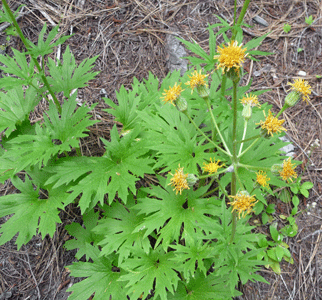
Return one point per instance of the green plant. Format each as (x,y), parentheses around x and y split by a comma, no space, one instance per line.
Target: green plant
(185,236)
(309,20)
(287,28)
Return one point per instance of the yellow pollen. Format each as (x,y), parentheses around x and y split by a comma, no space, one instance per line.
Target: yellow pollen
(288,170)
(172,94)
(243,203)
(179,181)
(262,179)
(301,86)
(231,56)
(250,99)
(272,124)
(212,167)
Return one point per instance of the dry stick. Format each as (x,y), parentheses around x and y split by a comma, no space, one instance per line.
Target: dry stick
(50,20)
(286,287)
(33,276)
(318,240)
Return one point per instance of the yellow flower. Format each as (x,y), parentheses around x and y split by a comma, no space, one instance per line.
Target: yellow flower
(251,100)
(231,56)
(288,170)
(179,181)
(196,80)
(271,124)
(243,203)
(172,94)
(212,167)
(302,87)
(262,179)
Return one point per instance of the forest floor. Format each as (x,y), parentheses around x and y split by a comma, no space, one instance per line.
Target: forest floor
(130,38)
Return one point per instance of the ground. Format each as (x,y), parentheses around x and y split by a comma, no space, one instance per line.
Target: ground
(130,38)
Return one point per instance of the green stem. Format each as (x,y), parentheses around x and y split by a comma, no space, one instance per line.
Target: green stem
(216,126)
(16,25)
(234,158)
(240,18)
(250,146)
(242,141)
(286,106)
(207,138)
(248,139)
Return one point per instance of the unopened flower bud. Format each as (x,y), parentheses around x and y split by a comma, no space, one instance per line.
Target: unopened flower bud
(181,104)
(203,91)
(276,169)
(192,179)
(247,112)
(292,98)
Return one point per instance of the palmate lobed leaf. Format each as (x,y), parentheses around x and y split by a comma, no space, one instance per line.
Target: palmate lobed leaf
(102,279)
(147,271)
(67,75)
(116,171)
(30,214)
(56,135)
(16,106)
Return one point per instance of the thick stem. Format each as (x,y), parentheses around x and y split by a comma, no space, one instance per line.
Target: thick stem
(24,40)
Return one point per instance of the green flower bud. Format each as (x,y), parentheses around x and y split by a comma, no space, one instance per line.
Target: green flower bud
(247,112)
(292,98)
(276,169)
(203,91)
(192,179)
(181,104)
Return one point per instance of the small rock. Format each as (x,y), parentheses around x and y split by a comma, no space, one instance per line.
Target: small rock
(260,20)
(301,73)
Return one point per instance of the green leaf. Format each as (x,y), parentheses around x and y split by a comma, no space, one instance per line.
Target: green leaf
(201,287)
(102,279)
(153,270)
(264,218)
(83,236)
(275,234)
(307,185)
(31,214)
(67,76)
(305,192)
(116,171)
(16,106)
(295,200)
(116,229)
(40,147)
(46,47)
(18,66)
(270,208)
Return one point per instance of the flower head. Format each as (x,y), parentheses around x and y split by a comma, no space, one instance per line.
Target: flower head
(231,56)
(179,181)
(302,87)
(197,80)
(251,100)
(271,124)
(243,203)
(212,167)
(288,170)
(172,94)
(262,179)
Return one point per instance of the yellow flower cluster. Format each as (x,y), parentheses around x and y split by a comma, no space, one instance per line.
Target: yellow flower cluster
(179,181)
(172,94)
(251,100)
(212,167)
(231,56)
(272,124)
(302,87)
(243,203)
(262,179)
(288,171)
(196,80)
